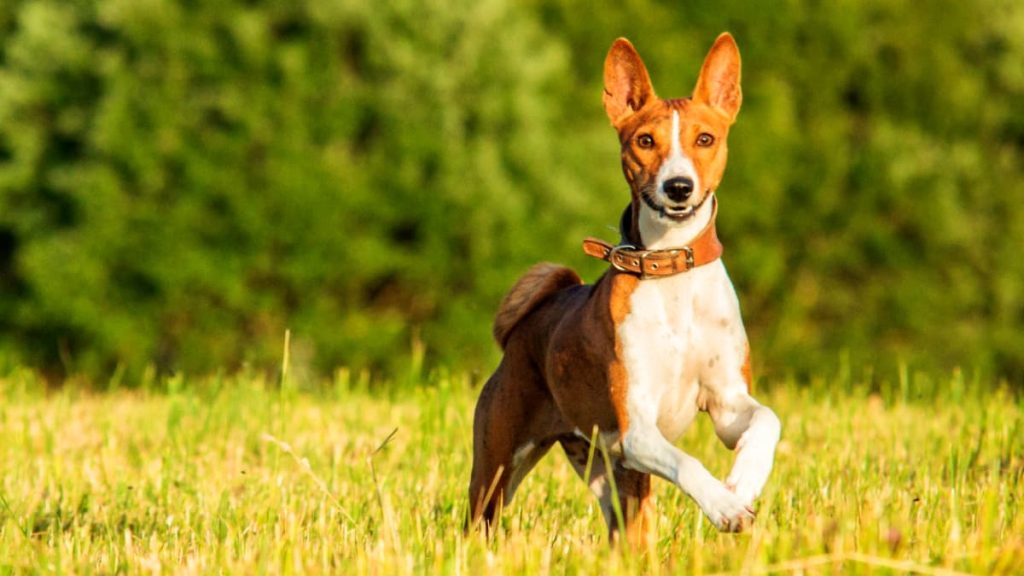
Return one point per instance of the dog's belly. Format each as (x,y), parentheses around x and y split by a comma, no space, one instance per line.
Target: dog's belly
(683,342)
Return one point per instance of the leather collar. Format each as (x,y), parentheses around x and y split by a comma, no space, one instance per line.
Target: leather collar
(625,257)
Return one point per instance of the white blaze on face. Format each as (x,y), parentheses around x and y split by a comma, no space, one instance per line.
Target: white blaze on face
(659,232)
(676,165)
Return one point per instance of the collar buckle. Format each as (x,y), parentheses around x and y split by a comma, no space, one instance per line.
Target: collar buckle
(688,251)
(613,256)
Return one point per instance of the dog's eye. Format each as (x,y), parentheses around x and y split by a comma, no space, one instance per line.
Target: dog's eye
(645,141)
(705,140)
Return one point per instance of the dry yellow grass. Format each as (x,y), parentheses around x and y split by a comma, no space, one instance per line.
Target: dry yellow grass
(235,476)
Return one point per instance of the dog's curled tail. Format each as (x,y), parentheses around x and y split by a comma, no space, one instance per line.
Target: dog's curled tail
(530,291)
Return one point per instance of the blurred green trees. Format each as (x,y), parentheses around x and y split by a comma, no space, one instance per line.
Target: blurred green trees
(182,181)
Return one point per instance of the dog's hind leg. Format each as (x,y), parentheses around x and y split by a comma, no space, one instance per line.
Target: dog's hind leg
(514,426)
(633,489)
(494,445)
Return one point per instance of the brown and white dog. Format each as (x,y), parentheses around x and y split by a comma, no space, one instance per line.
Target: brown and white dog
(657,339)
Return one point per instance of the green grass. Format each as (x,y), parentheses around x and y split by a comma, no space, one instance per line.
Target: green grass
(232,475)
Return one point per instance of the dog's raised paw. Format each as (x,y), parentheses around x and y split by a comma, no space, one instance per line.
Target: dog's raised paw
(727,511)
(743,490)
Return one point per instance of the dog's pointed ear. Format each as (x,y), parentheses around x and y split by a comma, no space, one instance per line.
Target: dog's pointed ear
(719,82)
(627,87)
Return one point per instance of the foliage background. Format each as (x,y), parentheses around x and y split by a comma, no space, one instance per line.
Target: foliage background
(181,181)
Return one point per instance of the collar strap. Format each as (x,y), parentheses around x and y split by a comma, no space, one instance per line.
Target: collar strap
(704,249)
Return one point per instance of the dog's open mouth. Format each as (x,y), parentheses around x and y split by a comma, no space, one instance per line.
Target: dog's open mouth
(676,214)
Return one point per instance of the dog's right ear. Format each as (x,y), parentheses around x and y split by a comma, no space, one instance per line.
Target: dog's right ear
(627,87)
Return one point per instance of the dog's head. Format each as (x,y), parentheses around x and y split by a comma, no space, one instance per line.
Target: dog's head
(673,151)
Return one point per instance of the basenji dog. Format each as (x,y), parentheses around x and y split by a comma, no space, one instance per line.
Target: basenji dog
(630,360)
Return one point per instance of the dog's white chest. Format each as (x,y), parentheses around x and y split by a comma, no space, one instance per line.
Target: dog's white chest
(682,339)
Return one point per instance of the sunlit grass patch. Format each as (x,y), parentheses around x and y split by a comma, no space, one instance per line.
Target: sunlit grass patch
(234,475)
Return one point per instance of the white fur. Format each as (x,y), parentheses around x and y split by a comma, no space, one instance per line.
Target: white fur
(657,233)
(684,347)
(521,454)
(523,460)
(676,165)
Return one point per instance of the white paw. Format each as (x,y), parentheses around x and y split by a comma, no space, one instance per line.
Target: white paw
(726,510)
(743,490)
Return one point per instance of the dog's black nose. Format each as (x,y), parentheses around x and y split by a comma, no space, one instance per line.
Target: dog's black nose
(678,189)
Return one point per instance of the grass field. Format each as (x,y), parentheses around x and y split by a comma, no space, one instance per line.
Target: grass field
(234,475)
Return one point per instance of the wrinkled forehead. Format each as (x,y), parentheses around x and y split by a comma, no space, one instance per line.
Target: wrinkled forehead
(657,117)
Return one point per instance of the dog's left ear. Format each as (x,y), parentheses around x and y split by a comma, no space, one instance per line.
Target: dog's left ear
(719,82)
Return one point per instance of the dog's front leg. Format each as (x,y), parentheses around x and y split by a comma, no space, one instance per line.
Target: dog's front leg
(753,430)
(645,449)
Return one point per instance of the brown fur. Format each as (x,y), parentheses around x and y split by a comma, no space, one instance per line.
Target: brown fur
(539,282)
(559,374)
